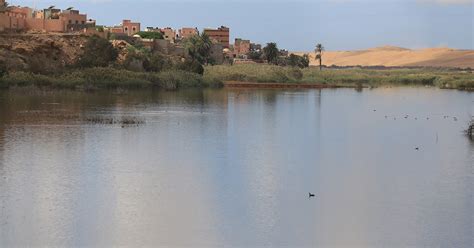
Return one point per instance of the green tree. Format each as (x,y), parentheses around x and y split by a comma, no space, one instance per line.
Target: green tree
(270,53)
(198,47)
(98,52)
(298,61)
(151,35)
(319,54)
(255,55)
(304,61)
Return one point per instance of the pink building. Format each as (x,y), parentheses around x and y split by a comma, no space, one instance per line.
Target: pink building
(48,20)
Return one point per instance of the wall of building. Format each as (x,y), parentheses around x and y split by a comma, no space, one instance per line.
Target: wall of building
(9,23)
(220,35)
(130,28)
(70,18)
(53,25)
(169,34)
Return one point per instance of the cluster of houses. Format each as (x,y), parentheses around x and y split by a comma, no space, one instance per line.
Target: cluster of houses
(53,20)
(16,18)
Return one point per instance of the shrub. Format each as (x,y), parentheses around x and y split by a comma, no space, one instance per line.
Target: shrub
(98,52)
(158,62)
(136,60)
(191,66)
(296,73)
(176,79)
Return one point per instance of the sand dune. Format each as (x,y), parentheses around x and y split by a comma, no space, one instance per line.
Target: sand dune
(397,56)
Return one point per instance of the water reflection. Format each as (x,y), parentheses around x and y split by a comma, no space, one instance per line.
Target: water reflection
(234,167)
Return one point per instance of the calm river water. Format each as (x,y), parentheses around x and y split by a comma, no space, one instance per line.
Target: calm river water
(216,168)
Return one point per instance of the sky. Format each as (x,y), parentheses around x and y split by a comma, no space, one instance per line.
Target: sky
(299,25)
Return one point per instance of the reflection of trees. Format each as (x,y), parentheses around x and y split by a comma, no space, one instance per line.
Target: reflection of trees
(63,107)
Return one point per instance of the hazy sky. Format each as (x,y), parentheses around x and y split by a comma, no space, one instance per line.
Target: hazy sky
(298,25)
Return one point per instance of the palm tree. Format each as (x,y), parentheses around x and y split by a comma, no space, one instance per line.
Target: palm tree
(270,52)
(319,54)
(199,48)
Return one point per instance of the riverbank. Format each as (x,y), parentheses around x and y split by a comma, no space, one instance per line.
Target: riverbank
(262,73)
(249,76)
(108,78)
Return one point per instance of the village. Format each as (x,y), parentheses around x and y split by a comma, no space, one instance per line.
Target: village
(51,20)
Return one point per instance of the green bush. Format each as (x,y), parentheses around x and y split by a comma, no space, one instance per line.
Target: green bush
(191,66)
(98,52)
(158,62)
(179,79)
(109,78)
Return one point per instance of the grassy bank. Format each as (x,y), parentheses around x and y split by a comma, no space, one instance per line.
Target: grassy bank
(108,78)
(342,77)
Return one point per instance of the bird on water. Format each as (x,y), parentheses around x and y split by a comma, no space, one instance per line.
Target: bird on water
(311,195)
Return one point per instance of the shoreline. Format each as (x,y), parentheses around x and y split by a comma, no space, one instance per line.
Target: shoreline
(270,85)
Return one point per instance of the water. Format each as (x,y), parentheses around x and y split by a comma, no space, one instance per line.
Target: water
(234,168)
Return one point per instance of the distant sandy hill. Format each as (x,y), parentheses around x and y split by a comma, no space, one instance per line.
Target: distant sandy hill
(397,56)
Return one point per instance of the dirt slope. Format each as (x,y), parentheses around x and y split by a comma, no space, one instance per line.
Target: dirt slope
(396,56)
(40,52)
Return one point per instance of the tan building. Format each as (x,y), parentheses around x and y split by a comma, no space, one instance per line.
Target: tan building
(220,35)
(185,33)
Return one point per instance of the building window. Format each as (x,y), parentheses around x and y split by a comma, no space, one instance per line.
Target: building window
(77,22)
(70,22)
(83,22)
(126,29)
(134,29)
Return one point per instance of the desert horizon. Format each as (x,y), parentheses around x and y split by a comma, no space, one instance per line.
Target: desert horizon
(394,56)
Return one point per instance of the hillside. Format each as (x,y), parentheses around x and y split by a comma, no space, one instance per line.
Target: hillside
(40,52)
(400,57)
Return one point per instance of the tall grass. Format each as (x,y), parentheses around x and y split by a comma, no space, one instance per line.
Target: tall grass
(108,78)
(343,77)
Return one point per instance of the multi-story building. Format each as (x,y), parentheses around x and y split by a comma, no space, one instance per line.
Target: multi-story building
(220,35)
(127,27)
(130,28)
(74,20)
(185,33)
(241,47)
